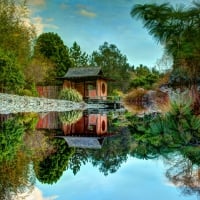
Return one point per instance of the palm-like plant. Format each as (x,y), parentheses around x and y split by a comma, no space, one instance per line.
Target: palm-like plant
(178,29)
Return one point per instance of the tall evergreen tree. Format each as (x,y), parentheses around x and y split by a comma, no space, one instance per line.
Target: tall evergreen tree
(78,58)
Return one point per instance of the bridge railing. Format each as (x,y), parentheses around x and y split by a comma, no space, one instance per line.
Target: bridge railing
(105,98)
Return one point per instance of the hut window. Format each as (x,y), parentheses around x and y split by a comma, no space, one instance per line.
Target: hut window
(103,125)
(103,88)
(91,86)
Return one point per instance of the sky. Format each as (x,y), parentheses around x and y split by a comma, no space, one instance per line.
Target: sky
(92,22)
(136,179)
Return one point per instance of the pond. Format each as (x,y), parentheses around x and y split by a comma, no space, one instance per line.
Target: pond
(95,154)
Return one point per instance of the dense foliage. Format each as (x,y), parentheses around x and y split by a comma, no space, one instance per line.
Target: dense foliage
(11,76)
(51,46)
(112,60)
(11,135)
(77,57)
(177,129)
(52,167)
(176,28)
(16,35)
(70,117)
(16,40)
(144,77)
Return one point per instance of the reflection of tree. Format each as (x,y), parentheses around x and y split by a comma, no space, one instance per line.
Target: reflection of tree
(192,153)
(161,134)
(70,117)
(175,137)
(184,175)
(113,153)
(79,157)
(11,135)
(16,176)
(52,167)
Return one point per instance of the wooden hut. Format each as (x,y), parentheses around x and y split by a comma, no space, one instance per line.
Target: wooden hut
(88,81)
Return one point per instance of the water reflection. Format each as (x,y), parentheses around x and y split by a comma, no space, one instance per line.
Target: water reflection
(45,146)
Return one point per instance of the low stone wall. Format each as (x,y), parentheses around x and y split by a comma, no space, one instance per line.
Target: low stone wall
(14,104)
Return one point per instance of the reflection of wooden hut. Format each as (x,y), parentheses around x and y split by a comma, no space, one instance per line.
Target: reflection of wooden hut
(89,81)
(84,142)
(88,125)
(49,121)
(4,117)
(88,132)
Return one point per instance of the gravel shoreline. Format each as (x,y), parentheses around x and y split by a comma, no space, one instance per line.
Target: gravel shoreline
(15,104)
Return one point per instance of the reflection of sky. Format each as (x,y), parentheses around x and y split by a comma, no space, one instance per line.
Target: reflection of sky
(136,179)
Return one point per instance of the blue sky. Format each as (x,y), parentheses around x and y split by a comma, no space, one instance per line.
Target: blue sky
(136,179)
(92,22)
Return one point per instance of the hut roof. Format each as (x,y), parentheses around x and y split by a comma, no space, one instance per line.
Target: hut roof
(83,142)
(82,72)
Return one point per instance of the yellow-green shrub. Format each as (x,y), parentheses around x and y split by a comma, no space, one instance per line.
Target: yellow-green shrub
(70,95)
(70,117)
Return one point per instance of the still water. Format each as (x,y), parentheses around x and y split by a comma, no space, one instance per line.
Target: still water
(91,155)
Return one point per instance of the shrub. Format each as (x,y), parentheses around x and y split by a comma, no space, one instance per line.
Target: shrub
(70,116)
(133,101)
(70,95)
(134,96)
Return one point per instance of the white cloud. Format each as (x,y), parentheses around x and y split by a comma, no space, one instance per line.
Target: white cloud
(36,194)
(41,24)
(38,22)
(64,6)
(37,2)
(49,20)
(87,13)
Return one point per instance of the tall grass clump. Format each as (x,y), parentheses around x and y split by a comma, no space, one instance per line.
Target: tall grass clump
(135,96)
(70,95)
(133,101)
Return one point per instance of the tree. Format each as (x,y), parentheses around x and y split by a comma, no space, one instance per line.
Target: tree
(114,66)
(144,77)
(11,76)
(177,29)
(77,57)
(40,71)
(16,32)
(51,46)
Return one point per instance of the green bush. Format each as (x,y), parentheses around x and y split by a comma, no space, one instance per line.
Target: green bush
(11,77)
(70,95)
(70,116)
